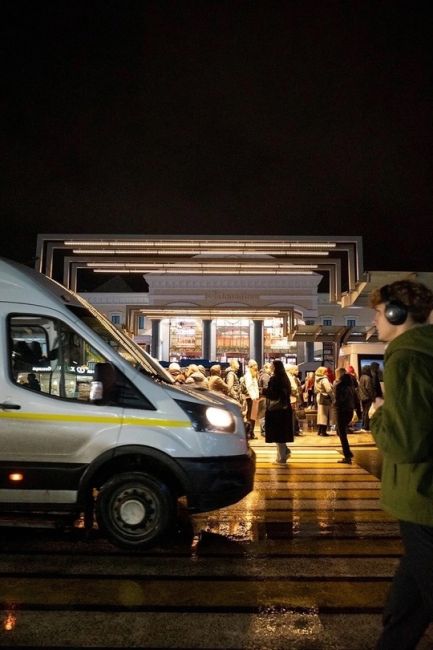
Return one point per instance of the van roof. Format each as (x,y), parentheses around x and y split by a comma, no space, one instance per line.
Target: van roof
(21,284)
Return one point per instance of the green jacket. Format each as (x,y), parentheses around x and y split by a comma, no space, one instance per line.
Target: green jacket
(403,427)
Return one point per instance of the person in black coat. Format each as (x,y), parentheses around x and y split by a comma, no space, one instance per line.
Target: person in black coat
(344,406)
(278,414)
(366,395)
(375,375)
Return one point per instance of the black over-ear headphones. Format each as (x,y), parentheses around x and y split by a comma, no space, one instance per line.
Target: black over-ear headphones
(395,311)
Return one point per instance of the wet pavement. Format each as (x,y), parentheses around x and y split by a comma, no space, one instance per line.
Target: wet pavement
(303,562)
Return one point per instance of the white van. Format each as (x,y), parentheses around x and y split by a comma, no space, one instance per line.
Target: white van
(90,424)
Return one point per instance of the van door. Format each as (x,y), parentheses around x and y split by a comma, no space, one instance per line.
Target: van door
(46,414)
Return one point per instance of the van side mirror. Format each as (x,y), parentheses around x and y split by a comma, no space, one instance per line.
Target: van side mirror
(96,391)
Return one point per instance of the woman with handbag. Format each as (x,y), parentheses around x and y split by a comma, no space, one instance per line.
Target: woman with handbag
(278,414)
(325,396)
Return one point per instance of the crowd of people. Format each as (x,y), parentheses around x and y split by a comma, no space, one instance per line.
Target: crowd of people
(277,399)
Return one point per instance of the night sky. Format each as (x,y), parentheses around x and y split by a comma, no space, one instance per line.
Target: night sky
(210,117)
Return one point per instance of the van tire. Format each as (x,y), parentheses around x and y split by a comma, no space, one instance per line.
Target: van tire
(134,510)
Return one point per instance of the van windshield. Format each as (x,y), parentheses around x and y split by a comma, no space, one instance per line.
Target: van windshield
(117,339)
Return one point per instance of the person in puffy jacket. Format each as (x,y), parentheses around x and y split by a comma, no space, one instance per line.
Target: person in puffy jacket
(232,380)
(402,427)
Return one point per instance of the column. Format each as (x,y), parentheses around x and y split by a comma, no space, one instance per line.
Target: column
(206,338)
(154,348)
(131,320)
(300,352)
(257,352)
(310,350)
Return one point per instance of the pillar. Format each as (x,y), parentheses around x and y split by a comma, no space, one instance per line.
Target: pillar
(206,338)
(154,348)
(258,342)
(310,350)
(131,320)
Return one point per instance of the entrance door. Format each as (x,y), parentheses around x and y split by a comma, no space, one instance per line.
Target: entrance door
(233,338)
(46,411)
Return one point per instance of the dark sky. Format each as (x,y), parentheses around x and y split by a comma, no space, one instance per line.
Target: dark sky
(211,117)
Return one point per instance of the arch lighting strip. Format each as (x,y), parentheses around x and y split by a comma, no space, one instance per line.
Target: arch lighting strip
(104,251)
(202,244)
(202,265)
(202,272)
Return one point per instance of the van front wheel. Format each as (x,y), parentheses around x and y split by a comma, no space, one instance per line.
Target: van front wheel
(134,509)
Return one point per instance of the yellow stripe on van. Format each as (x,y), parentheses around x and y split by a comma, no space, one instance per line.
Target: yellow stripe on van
(152,422)
(88,419)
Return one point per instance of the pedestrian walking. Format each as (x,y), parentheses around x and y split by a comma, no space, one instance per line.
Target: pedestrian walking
(278,414)
(344,406)
(402,427)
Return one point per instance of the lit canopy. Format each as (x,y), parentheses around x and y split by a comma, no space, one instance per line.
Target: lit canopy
(340,258)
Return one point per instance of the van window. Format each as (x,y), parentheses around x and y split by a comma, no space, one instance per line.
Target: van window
(47,356)
(119,341)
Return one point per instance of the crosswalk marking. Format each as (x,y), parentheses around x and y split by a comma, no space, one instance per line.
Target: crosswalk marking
(303,561)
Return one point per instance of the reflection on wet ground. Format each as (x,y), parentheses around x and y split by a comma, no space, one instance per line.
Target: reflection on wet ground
(303,562)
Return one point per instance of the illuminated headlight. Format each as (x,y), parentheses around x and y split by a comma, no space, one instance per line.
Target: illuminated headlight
(219,418)
(208,418)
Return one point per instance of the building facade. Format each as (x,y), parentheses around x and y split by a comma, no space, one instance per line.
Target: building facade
(295,298)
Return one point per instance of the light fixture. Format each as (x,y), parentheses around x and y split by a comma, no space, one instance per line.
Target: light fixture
(16,477)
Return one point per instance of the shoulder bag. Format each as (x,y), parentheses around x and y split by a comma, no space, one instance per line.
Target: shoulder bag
(325,399)
(275,405)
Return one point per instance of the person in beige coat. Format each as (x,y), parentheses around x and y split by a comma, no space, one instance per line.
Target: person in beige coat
(325,396)
(251,382)
(296,399)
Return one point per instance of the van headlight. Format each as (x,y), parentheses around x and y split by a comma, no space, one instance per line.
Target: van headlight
(208,418)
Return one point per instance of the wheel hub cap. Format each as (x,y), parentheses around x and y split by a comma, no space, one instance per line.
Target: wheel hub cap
(132,512)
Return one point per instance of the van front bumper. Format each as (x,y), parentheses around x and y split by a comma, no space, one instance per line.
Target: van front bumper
(219,481)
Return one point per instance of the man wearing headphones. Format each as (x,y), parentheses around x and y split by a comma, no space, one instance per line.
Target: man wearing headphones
(403,429)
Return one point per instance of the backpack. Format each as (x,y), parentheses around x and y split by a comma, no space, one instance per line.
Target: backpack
(243,386)
(235,388)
